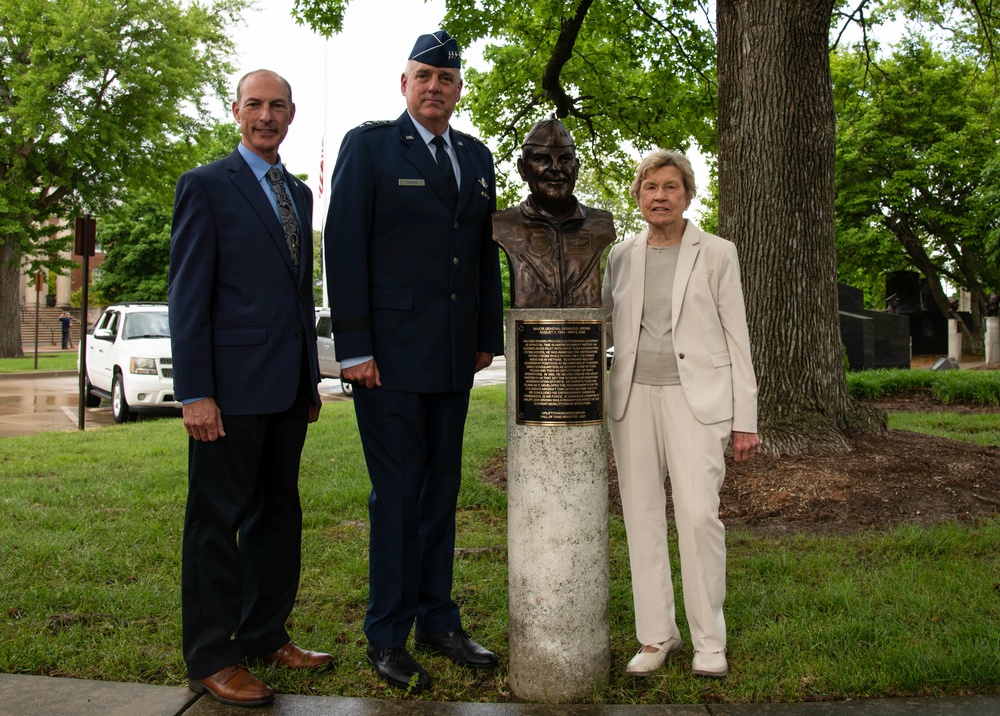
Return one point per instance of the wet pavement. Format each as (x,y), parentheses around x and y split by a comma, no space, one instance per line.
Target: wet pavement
(47,401)
(44,402)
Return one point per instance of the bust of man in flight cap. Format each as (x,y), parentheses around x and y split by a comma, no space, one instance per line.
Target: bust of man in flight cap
(552,241)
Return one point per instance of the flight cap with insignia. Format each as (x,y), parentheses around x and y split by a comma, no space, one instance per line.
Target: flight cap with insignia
(437,49)
(548,133)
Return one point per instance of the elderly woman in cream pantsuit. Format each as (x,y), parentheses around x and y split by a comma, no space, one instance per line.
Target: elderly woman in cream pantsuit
(681,387)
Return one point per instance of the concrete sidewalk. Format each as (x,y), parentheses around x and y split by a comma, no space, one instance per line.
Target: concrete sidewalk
(46,696)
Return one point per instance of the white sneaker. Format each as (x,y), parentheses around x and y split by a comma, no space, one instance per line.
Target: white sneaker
(645,663)
(711,664)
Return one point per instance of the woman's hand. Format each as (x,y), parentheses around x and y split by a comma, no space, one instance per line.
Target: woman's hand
(744,446)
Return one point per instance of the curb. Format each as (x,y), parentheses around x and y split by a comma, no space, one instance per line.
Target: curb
(39,374)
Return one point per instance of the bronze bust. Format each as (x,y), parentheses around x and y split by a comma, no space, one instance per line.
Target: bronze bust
(552,241)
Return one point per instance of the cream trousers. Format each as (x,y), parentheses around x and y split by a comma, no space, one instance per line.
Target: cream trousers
(659,436)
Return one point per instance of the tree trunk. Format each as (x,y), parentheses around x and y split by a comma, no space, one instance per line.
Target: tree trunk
(776,203)
(10,302)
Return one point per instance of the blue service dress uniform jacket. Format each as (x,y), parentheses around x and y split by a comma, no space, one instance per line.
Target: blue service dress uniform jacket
(413,281)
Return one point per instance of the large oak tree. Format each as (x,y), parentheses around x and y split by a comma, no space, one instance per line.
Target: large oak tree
(776,202)
(135,232)
(94,96)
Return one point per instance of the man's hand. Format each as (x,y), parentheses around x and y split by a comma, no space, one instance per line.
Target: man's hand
(314,412)
(365,374)
(203,420)
(744,445)
(483,360)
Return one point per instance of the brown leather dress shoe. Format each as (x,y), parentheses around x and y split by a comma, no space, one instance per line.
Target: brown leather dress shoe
(292,657)
(234,686)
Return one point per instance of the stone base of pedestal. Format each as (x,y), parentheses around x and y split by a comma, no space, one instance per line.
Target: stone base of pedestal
(954,340)
(993,339)
(557,507)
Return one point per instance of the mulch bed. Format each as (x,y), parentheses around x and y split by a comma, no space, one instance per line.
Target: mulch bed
(902,478)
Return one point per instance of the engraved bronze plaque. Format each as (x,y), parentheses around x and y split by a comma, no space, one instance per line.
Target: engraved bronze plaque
(560,372)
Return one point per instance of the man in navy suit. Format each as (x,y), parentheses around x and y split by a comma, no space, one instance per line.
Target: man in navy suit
(415,297)
(243,334)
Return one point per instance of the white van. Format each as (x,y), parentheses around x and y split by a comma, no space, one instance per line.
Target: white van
(328,365)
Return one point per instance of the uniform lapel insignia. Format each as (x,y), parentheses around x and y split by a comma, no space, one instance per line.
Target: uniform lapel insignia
(482,180)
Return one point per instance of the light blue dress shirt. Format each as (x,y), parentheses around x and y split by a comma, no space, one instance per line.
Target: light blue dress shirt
(259,167)
(427,136)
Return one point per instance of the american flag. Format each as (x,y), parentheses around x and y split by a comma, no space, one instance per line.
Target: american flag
(322,156)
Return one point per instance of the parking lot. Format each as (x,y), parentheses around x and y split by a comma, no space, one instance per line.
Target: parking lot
(45,402)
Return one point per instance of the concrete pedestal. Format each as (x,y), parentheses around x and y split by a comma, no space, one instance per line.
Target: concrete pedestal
(557,525)
(993,339)
(954,340)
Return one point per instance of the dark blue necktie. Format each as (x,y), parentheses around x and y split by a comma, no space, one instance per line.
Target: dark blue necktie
(444,161)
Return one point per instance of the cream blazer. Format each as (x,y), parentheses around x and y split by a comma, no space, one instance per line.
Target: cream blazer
(711,339)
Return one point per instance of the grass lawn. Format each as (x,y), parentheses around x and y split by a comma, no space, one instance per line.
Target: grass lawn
(90,527)
(975,428)
(46,361)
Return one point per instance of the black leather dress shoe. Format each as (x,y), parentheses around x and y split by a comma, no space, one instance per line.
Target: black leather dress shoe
(398,668)
(459,647)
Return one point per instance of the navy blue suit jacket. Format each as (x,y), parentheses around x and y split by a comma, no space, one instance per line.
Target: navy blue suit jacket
(240,315)
(412,280)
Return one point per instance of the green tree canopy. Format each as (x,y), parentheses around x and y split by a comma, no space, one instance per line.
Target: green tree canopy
(94,95)
(135,233)
(916,154)
(135,236)
(622,76)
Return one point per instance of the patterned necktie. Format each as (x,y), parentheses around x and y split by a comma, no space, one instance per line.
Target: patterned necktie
(444,161)
(288,221)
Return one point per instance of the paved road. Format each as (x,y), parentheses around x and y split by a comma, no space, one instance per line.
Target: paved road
(46,402)
(43,404)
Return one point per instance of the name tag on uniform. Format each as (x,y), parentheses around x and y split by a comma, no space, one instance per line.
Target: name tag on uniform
(412,182)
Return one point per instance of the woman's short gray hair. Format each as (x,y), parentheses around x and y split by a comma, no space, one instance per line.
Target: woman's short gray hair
(664,158)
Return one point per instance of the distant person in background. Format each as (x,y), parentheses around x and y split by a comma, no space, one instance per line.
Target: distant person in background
(681,387)
(66,320)
(242,328)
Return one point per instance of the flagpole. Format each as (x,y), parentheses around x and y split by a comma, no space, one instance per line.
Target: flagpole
(324,200)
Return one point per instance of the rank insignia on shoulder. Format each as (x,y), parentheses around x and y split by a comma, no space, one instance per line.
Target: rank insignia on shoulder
(377,123)
(463,135)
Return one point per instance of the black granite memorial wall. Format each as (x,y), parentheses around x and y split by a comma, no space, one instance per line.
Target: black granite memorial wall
(928,326)
(873,339)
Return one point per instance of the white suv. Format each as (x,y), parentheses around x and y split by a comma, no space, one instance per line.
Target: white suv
(129,361)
